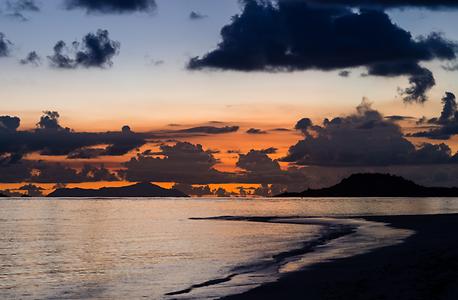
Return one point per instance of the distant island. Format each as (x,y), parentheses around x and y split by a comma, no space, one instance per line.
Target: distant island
(376,185)
(144,189)
(3,195)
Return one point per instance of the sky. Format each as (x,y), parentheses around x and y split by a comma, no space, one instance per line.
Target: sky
(200,83)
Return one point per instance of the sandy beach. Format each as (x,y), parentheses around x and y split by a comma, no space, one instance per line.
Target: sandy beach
(425,266)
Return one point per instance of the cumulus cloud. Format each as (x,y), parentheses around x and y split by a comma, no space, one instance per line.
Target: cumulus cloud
(364,138)
(446,125)
(31,59)
(293,36)
(95,50)
(112,6)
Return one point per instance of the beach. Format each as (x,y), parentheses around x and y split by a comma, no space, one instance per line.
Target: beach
(424,266)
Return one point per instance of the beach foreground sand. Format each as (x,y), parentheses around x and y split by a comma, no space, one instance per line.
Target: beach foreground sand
(425,266)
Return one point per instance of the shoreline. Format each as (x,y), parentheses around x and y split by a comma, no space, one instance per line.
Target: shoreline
(424,266)
(339,238)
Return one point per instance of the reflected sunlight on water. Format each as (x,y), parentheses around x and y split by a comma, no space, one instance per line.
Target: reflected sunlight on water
(114,249)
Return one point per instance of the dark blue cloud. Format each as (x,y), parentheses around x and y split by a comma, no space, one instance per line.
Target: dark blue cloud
(112,6)
(5,45)
(95,50)
(31,59)
(433,4)
(293,36)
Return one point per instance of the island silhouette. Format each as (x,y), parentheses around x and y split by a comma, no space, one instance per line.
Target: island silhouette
(142,189)
(376,185)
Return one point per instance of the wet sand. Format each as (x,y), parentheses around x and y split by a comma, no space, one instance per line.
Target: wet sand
(425,266)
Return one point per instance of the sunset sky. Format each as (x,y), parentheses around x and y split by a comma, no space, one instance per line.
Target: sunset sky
(196,98)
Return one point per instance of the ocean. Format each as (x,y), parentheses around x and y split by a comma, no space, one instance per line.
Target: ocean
(182,248)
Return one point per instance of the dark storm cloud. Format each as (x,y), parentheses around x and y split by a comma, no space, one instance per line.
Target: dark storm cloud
(293,36)
(196,16)
(47,172)
(183,162)
(112,6)
(31,59)
(365,138)
(446,125)
(5,45)
(95,50)
(211,129)
(50,138)
(255,131)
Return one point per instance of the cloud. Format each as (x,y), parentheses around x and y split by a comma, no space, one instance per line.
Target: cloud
(5,46)
(255,131)
(22,5)
(365,138)
(32,190)
(96,50)
(270,150)
(183,162)
(86,153)
(112,6)
(51,138)
(446,125)
(8,123)
(295,36)
(201,190)
(434,4)
(57,172)
(258,167)
(15,9)
(398,118)
(344,73)
(196,16)
(31,59)
(211,129)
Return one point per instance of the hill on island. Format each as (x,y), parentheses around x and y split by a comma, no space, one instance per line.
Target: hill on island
(144,189)
(376,185)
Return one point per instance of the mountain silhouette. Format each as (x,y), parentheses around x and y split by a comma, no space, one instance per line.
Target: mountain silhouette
(376,185)
(143,189)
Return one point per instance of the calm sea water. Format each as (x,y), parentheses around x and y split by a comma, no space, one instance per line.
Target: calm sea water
(151,248)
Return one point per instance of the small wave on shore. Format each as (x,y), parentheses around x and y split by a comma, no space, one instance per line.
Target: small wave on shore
(339,238)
